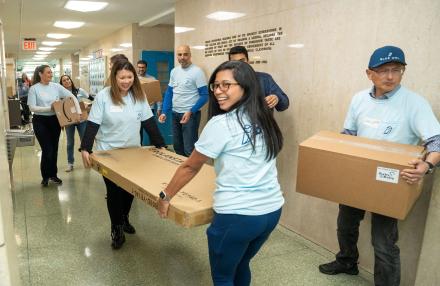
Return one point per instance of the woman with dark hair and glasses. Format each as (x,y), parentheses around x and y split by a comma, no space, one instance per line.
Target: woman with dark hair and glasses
(80,94)
(244,140)
(116,116)
(42,94)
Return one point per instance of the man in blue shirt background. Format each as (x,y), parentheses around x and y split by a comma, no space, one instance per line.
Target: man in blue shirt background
(388,112)
(275,96)
(186,94)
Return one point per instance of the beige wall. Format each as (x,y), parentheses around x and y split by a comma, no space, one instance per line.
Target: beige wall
(158,38)
(320,79)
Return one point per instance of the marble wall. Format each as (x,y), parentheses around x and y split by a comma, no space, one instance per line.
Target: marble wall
(319,59)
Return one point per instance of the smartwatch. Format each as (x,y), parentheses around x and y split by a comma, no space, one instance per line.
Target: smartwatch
(431,168)
(163,196)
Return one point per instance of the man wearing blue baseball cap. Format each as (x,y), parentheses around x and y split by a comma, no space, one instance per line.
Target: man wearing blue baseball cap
(389,112)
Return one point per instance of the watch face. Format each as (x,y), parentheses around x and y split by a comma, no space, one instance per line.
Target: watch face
(162,195)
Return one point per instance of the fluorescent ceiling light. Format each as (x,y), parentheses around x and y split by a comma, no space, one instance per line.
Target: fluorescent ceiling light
(296,46)
(84,59)
(42,53)
(39,58)
(198,47)
(224,15)
(178,30)
(85,6)
(126,45)
(51,43)
(116,49)
(47,49)
(58,36)
(68,24)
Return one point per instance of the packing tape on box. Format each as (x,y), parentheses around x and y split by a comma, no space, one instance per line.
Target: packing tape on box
(396,150)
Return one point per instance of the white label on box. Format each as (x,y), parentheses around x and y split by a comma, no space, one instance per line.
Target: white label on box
(387,175)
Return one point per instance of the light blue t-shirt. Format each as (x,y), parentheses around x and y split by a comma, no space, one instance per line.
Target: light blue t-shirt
(405,117)
(119,124)
(246,183)
(43,95)
(185,82)
(82,94)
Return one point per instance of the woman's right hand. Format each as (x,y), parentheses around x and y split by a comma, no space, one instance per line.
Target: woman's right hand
(86,159)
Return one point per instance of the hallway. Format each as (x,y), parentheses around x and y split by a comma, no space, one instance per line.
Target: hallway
(63,236)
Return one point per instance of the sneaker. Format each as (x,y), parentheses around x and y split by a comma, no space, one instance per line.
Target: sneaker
(45,182)
(118,236)
(128,228)
(56,180)
(69,167)
(335,267)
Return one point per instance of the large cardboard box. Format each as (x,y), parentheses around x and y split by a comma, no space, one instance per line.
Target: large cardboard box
(151,87)
(65,111)
(144,172)
(358,172)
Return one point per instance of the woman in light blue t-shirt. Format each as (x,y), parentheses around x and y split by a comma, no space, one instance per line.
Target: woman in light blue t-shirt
(80,94)
(244,139)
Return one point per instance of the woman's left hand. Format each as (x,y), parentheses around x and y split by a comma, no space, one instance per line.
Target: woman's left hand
(162,208)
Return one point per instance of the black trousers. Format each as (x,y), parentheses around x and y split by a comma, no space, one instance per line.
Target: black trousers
(118,202)
(384,236)
(47,130)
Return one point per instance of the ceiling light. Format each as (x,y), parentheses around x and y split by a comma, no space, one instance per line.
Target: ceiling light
(51,43)
(85,6)
(42,53)
(178,30)
(198,47)
(47,49)
(58,36)
(68,24)
(224,15)
(84,59)
(126,45)
(116,49)
(296,46)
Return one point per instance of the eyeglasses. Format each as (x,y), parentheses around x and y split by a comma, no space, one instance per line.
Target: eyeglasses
(385,72)
(224,85)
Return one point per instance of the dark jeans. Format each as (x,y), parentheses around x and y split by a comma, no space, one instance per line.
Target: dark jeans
(185,135)
(47,130)
(118,202)
(384,236)
(70,134)
(25,108)
(233,240)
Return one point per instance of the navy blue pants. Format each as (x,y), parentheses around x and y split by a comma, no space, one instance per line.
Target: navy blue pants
(233,240)
(185,135)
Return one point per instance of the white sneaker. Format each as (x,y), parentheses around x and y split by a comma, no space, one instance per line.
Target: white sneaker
(69,168)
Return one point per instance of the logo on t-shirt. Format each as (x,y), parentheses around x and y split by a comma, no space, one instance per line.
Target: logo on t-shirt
(247,135)
(388,130)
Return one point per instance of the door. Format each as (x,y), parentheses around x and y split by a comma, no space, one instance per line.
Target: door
(160,64)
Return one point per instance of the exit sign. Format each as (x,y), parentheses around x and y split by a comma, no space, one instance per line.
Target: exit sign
(29,44)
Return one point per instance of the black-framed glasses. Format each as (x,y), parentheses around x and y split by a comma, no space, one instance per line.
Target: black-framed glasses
(393,71)
(224,85)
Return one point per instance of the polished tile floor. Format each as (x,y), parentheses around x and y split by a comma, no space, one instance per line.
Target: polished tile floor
(63,237)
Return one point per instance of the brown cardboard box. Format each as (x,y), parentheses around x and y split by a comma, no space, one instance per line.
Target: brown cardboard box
(66,112)
(144,172)
(358,172)
(85,109)
(151,87)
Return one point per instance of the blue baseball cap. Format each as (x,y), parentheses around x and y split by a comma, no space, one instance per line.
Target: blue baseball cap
(387,54)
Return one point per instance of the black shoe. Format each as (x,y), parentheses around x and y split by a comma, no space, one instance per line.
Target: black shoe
(118,236)
(335,267)
(45,182)
(56,180)
(128,228)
